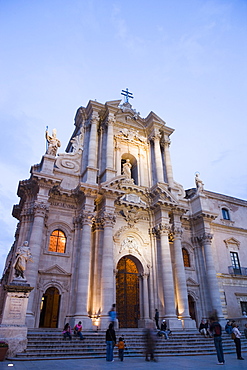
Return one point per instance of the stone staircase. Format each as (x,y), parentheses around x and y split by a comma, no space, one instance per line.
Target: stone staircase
(49,344)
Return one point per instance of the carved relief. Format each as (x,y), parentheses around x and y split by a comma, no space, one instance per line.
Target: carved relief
(129,244)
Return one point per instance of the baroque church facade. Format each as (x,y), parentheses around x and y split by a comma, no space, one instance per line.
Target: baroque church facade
(107,223)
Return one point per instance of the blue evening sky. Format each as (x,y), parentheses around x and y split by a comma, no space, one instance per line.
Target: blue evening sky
(186,60)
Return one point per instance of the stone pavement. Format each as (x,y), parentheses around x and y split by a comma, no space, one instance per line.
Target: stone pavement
(206,362)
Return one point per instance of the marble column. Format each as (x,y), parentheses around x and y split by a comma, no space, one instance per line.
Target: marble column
(180,279)
(200,266)
(145,295)
(109,147)
(158,158)
(35,244)
(213,286)
(168,162)
(107,277)
(167,275)
(93,142)
(82,294)
(91,175)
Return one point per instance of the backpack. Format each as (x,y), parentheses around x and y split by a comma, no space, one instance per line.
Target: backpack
(233,336)
(217,329)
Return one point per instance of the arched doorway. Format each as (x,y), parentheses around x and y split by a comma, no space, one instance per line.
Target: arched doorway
(127,293)
(192,307)
(49,308)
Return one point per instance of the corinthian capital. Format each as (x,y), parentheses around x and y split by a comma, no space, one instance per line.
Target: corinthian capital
(162,229)
(177,232)
(108,219)
(94,118)
(40,209)
(87,217)
(205,238)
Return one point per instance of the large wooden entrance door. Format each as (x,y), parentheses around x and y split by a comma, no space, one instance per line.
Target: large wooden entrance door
(49,309)
(127,293)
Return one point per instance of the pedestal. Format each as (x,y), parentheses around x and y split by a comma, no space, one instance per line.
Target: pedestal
(12,328)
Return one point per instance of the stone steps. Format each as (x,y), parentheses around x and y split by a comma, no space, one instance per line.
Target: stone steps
(49,344)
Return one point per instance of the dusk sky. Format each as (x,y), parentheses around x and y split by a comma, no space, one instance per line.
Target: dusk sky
(185,60)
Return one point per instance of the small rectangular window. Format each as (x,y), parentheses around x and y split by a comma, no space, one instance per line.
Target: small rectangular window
(225,214)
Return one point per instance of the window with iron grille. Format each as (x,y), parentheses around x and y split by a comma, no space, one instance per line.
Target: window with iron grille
(57,242)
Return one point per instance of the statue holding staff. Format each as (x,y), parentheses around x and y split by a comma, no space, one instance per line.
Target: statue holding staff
(23,254)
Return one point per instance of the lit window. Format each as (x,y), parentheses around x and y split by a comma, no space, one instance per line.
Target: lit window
(57,242)
(225,214)
(186,257)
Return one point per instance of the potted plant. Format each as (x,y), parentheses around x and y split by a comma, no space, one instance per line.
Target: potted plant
(3,350)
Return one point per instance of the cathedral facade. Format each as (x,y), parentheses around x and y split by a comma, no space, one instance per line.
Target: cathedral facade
(107,223)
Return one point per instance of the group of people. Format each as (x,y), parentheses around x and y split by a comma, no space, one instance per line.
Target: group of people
(163,330)
(67,332)
(209,328)
(214,329)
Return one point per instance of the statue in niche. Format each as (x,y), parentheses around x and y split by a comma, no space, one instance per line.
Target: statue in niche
(53,142)
(199,183)
(127,169)
(23,254)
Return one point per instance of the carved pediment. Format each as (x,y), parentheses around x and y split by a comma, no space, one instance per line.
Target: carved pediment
(54,270)
(192,283)
(232,242)
(162,195)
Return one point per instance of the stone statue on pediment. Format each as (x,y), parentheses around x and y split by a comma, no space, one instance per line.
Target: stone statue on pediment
(23,254)
(199,184)
(53,142)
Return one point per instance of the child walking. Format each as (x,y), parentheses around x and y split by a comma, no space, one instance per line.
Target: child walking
(120,346)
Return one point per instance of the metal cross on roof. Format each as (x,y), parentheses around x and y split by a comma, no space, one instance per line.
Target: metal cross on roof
(127,95)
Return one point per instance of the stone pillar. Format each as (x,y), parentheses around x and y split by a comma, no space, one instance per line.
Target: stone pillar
(168,162)
(93,142)
(213,286)
(82,294)
(145,295)
(35,244)
(167,275)
(118,159)
(109,148)
(180,279)
(107,277)
(204,291)
(158,158)
(92,151)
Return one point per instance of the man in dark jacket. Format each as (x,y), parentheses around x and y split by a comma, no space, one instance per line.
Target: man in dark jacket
(110,338)
(215,329)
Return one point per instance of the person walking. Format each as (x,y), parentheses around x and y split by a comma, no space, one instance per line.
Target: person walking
(216,330)
(150,343)
(156,318)
(110,339)
(236,333)
(113,314)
